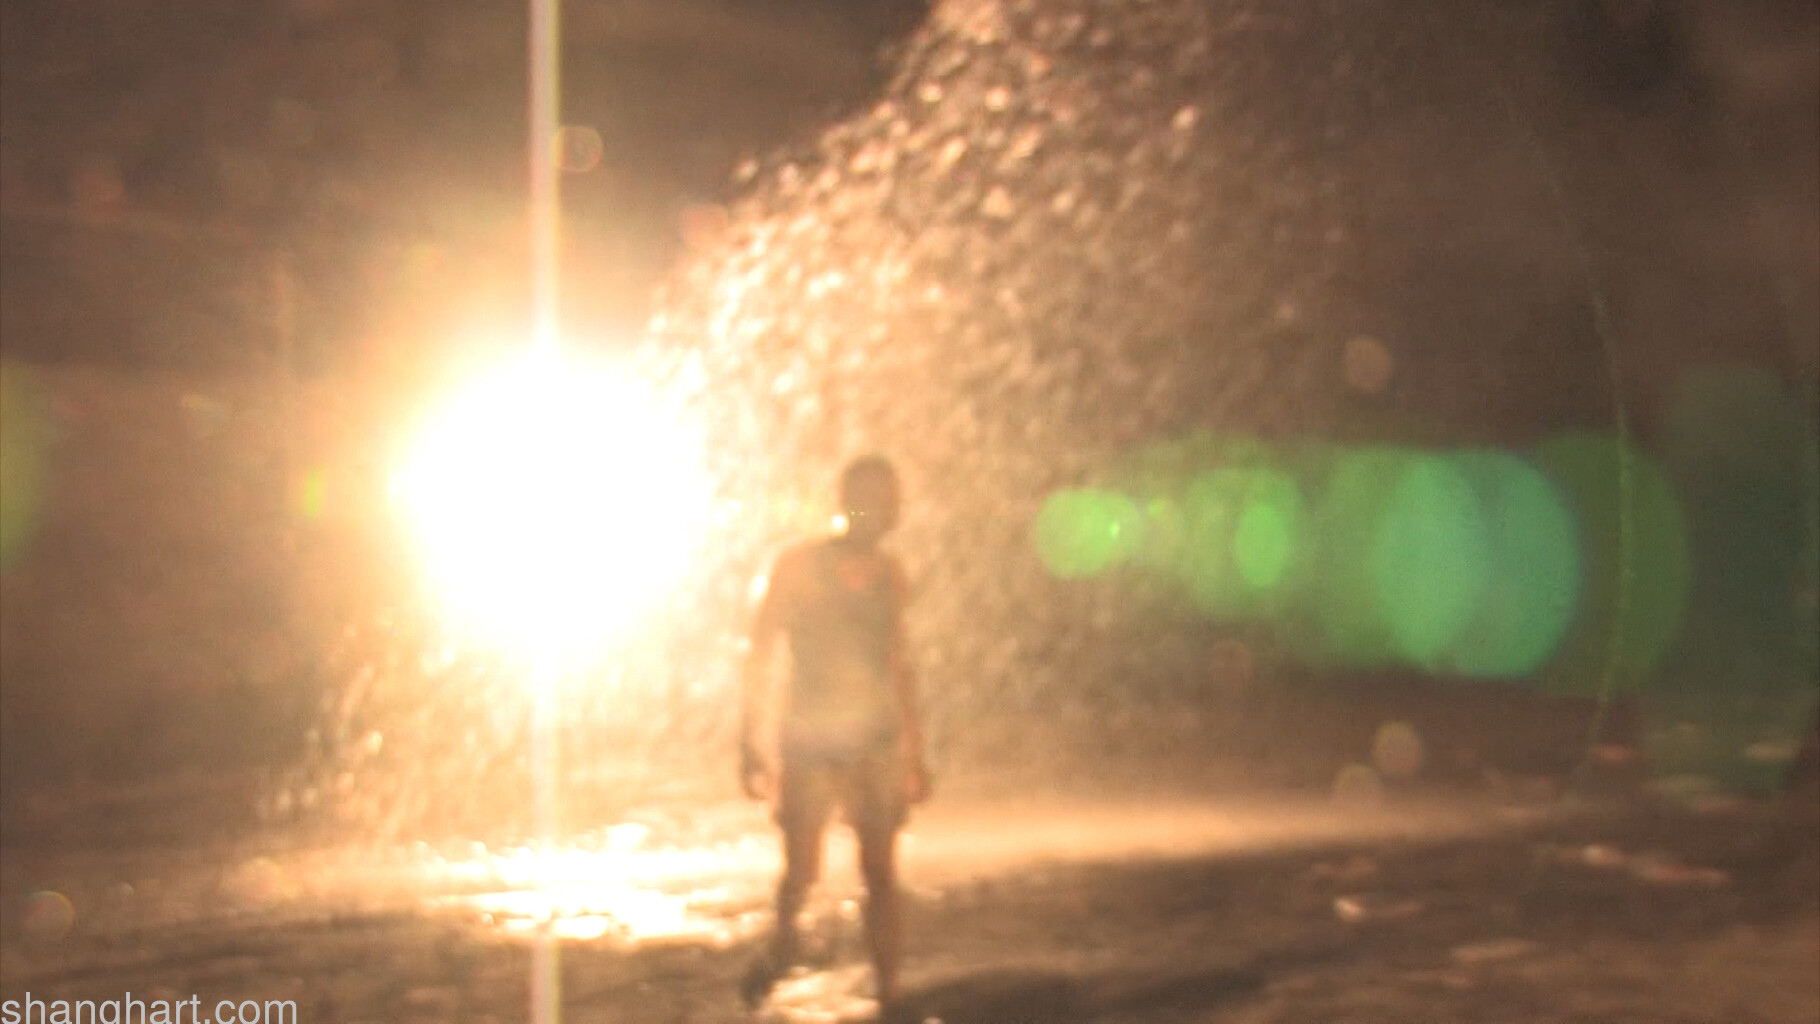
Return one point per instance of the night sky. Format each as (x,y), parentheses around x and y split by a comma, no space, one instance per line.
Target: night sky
(146,149)
(368,141)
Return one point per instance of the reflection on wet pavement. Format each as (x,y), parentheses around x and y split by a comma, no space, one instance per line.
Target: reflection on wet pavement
(1156,911)
(822,997)
(633,882)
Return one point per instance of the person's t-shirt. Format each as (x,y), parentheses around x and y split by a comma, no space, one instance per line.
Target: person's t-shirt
(841,617)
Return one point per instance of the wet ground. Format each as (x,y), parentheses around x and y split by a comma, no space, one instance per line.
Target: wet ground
(1066,909)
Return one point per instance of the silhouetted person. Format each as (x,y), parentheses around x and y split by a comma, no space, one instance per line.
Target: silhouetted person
(850,736)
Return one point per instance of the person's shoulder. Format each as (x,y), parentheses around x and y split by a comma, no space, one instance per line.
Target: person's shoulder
(800,552)
(778,583)
(796,558)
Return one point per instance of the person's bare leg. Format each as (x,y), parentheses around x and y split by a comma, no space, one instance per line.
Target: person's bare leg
(803,819)
(802,866)
(878,864)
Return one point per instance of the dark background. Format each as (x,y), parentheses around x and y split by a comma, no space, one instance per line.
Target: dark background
(170,146)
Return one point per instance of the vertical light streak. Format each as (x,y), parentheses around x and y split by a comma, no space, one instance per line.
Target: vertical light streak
(544,73)
(545,190)
(546,975)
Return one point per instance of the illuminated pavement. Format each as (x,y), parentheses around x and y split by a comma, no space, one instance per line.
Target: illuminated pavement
(1057,911)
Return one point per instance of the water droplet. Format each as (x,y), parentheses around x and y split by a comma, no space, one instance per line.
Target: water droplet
(48,916)
(997,204)
(1397,750)
(1368,364)
(1023,145)
(950,154)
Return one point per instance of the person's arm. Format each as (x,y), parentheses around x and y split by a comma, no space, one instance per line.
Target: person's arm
(756,679)
(904,689)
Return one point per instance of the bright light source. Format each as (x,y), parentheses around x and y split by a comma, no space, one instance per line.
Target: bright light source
(552,499)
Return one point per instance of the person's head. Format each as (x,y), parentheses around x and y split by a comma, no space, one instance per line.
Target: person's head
(869,497)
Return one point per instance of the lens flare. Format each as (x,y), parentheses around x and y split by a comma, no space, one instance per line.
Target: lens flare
(1535,565)
(1265,537)
(1351,529)
(1241,531)
(551,500)
(1084,532)
(1636,567)
(1431,562)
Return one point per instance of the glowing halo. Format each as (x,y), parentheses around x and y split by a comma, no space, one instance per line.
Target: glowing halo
(551,499)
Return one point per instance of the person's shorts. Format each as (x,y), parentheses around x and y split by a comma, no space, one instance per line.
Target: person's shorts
(867,787)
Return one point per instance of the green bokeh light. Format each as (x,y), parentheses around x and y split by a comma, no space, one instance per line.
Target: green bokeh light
(1210,511)
(1472,562)
(1163,531)
(1269,530)
(1411,550)
(1635,550)
(1240,531)
(1430,558)
(1085,532)
(1348,627)
(1535,560)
